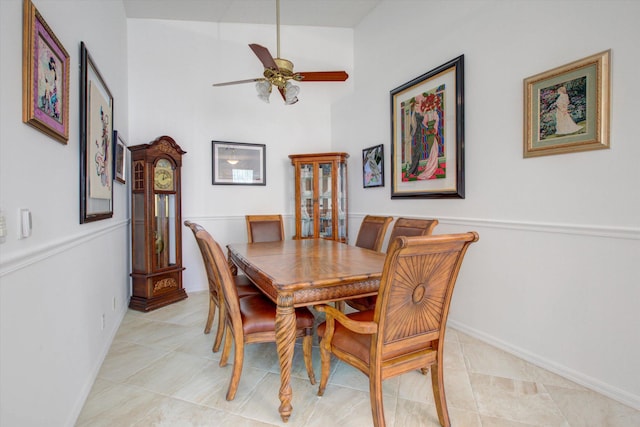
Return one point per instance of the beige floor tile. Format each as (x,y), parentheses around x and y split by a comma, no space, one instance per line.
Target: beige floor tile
(342,406)
(209,387)
(520,401)
(201,345)
(263,402)
(169,373)
(160,371)
(348,376)
(415,414)
(112,404)
(587,408)
(501,422)
(485,359)
(126,358)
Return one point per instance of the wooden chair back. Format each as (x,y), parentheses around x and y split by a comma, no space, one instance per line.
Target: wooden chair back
(407,327)
(412,227)
(264,228)
(372,232)
(214,293)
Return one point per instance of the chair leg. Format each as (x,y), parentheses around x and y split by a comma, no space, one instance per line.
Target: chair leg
(437,383)
(307,346)
(238,360)
(325,366)
(228,340)
(375,393)
(212,312)
(221,327)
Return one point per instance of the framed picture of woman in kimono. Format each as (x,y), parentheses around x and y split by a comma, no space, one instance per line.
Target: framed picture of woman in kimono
(427,134)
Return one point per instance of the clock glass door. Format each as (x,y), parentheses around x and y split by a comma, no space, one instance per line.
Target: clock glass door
(164,233)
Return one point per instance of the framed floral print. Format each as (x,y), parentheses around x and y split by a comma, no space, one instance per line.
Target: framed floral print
(96,142)
(45,77)
(566,109)
(427,134)
(373,166)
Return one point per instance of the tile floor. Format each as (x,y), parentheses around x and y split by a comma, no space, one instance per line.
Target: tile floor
(160,371)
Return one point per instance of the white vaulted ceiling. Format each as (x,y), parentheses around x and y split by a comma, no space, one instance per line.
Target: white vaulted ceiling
(321,13)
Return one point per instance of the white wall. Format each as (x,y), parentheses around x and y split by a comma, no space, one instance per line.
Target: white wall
(554,276)
(172,66)
(552,279)
(56,285)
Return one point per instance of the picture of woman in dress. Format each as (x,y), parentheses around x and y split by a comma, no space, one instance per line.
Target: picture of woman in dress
(564,122)
(563,109)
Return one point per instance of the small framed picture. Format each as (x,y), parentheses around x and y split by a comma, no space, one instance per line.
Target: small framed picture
(237,163)
(119,158)
(45,77)
(566,109)
(373,166)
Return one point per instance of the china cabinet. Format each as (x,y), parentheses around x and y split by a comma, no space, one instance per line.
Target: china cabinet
(156,237)
(321,195)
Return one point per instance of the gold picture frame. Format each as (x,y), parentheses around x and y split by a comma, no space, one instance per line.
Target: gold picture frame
(45,77)
(567,109)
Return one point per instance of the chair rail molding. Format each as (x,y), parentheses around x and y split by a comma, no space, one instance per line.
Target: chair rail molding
(628,233)
(23,259)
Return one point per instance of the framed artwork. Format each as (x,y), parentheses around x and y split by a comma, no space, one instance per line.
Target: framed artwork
(119,158)
(427,134)
(373,166)
(96,145)
(45,77)
(567,109)
(236,163)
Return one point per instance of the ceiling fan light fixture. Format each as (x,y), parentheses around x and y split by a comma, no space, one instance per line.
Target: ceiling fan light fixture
(264,90)
(278,71)
(291,93)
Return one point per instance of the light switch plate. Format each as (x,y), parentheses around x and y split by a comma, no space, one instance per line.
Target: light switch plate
(25,223)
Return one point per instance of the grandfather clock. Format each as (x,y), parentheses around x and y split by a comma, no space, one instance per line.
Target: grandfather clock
(156,237)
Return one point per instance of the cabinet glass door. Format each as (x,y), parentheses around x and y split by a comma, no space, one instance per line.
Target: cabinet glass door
(325,200)
(306,200)
(164,233)
(342,200)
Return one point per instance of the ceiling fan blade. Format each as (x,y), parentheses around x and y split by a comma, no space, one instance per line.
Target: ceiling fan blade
(264,56)
(282,92)
(321,76)
(257,79)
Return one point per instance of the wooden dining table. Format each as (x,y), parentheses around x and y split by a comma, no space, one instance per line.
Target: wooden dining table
(296,273)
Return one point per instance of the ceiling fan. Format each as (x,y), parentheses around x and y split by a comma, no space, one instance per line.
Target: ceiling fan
(279,72)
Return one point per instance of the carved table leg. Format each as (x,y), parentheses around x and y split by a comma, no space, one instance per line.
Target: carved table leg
(285,342)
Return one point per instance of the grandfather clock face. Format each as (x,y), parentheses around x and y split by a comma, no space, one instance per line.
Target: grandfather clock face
(163,176)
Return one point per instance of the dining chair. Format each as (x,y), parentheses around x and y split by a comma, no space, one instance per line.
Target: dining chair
(243,285)
(372,232)
(403,227)
(251,319)
(405,331)
(412,227)
(370,236)
(264,228)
